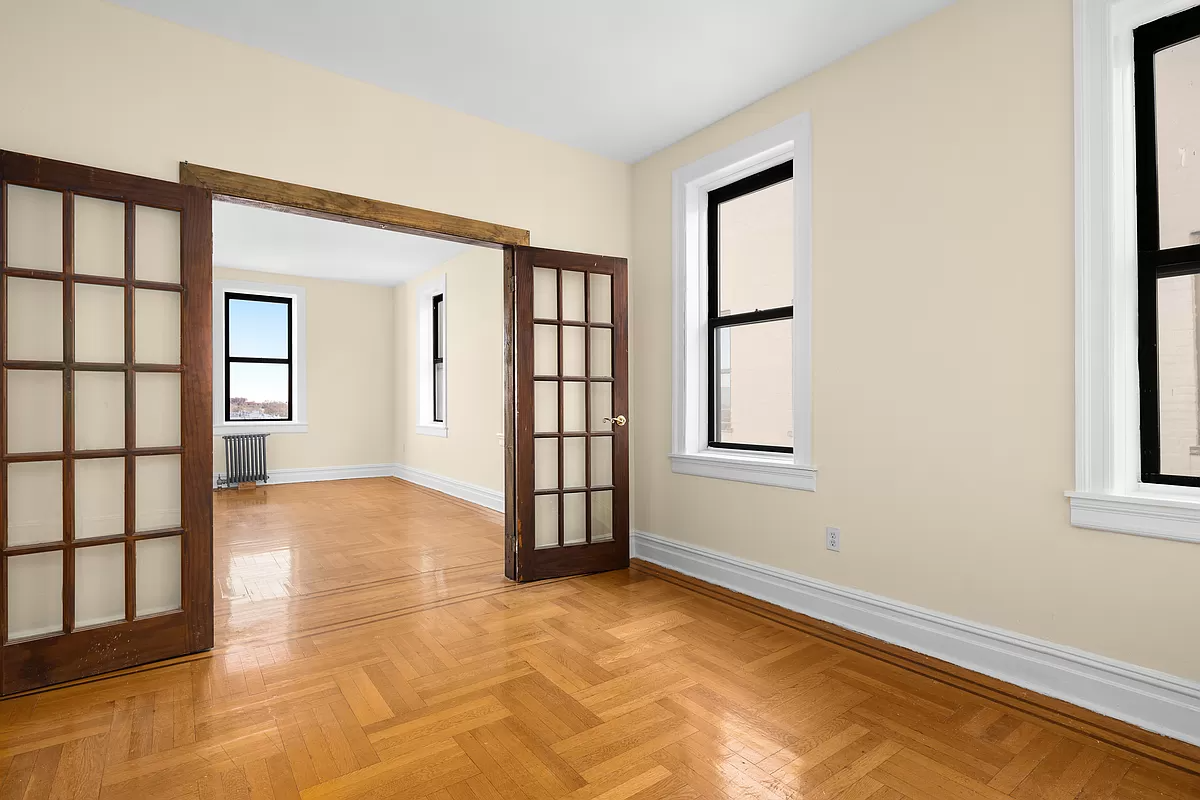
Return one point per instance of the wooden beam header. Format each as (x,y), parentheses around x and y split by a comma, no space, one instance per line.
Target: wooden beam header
(323,203)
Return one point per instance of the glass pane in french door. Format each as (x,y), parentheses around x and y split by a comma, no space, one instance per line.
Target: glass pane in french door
(572,400)
(93,413)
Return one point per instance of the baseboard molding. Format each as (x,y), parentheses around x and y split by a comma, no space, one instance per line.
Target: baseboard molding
(310,474)
(1153,701)
(480,496)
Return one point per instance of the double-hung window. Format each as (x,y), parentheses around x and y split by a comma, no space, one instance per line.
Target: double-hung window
(439,360)
(742,294)
(1166,74)
(432,356)
(258,358)
(1137,264)
(750,246)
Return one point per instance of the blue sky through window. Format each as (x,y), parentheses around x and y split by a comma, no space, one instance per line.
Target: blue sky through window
(258,330)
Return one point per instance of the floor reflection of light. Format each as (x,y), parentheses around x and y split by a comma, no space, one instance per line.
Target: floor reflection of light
(253,577)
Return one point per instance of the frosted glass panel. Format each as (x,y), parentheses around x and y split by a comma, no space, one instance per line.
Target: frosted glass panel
(157,409)
(99,323)
(35,226)
(573,350)
(159,575)
(572,291)
(574,405)
(99,237)
(99,410)
(35,331)
(602,461)
(35,594)
(602,516)
(545,521)
(157,255)
(601,406)
(601,352)
(156,327)
(545,464)
(600,298)
(545,407)
(545,349)
(99,584)
(545,296)
(35,503)
(34,411)
(99,497)
(574,461)
(157,493)
(575,518)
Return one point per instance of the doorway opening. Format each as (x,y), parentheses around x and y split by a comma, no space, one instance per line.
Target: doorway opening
(358,427)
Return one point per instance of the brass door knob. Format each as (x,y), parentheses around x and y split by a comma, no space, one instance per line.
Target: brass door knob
(619,419)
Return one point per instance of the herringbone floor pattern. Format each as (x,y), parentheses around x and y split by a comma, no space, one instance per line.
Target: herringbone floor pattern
(368,647)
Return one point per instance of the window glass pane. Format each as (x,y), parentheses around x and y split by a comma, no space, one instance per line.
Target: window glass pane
(1179,375)
(439,322)
(35,323)
(755,250)
(159,575)
(1177,109)
(439,392)
(754,384)
(99,584)
(35,594)
(575,518)
(34,228)
(156,329)
(35,503)
(258,329)
(258,391)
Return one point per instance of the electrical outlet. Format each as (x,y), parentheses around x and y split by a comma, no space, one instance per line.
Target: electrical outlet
(833,539)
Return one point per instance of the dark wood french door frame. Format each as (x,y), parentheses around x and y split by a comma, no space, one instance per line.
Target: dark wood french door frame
(78,652)
(529,561)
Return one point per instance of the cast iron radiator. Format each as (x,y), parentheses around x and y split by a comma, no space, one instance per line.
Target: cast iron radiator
(245,458)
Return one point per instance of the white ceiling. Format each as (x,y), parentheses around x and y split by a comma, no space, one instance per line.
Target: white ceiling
(249,237)
(621,78)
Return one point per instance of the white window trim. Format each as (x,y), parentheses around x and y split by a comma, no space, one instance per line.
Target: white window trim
(426,426)
(299,421)
(690,454)
(1108,493)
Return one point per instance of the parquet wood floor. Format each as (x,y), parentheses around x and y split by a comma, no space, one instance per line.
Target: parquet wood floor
(369,647)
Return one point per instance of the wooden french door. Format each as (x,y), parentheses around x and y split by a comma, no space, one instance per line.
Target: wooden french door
(105,421)
(571,459)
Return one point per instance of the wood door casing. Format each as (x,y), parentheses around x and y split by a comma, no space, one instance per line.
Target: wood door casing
(589,555)
(77,652)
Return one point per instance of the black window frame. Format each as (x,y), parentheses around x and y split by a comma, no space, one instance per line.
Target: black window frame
(716,322)
(439,300)
(1153,262)
(231,359)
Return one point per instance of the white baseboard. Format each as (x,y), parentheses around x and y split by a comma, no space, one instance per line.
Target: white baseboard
(310,474)
(480,496)
(1151,700)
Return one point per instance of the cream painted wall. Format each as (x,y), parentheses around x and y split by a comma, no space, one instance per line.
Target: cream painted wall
(131,92)
(471,451)
(351,369)
(943,347)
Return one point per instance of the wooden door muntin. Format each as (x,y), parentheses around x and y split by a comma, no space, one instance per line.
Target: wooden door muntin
(77,651)
(568,556)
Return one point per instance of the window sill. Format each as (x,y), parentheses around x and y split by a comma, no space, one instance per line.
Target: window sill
(765,470)
(234,428)
(434,429)
(1159,516)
